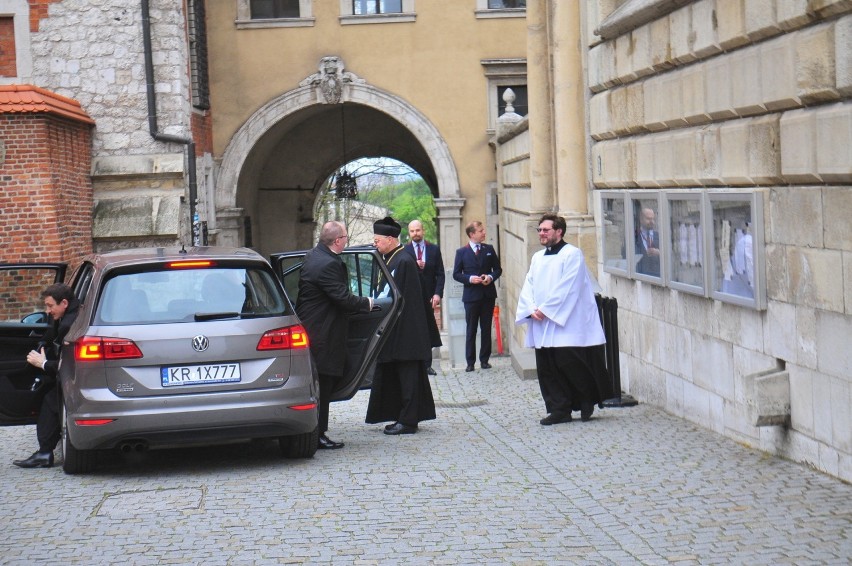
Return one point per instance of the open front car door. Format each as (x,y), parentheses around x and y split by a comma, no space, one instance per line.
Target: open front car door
(23,324)
(367,331)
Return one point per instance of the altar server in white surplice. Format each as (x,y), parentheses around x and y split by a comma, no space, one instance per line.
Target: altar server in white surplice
(557,303)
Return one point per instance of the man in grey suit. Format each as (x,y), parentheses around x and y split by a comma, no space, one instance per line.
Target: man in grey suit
(432,277)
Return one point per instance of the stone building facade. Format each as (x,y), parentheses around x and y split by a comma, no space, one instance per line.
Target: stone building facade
(732,119)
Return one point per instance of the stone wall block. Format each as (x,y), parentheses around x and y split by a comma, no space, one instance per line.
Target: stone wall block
(801,399)
(661,52)
(792,14)
(734,138)
(834,353)
(743,327)
(674,395)
(779,336)
(620,115)
(764,153)
(694,95)
(600,120)
(806,325)
(799,146)
(713,365)
(645,153)
(847,281)
(608,72)
(761,19)
(672,106)
(815,65)
(841,414)
(730,17)
(777,282)
(778,73)
(746,84)
(597,162)
(676,352)
(796,216)
(706,39)
(624,58)
(664,160)
(816,278)
(627,163)
(708,149)
(822,407)
(837,225)
(718,89)
(653,100)
(843,56)
(641,60)
(635,107)
(681,37)
(595,68)
(683,154)
(834,142)
(826,8)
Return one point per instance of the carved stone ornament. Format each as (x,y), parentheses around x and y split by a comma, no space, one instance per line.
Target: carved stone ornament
(330,82)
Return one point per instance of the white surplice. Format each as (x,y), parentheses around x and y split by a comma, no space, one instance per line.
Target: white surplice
(560,287)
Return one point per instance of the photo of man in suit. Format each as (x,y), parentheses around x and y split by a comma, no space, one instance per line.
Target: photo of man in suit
(431,266)
(477,267)
(647,243)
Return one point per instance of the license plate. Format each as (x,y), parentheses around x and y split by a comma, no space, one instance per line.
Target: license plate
(200,375)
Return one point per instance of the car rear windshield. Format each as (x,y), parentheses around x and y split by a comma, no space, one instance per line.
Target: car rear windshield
(190,295)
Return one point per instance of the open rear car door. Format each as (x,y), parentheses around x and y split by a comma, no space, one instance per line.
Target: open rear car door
(23,324)
(367,331)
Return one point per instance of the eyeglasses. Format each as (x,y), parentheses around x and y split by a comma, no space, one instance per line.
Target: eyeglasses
(544,230)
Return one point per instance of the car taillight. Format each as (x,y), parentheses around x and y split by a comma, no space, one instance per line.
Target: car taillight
(289,338)
(190,264)
(94,348)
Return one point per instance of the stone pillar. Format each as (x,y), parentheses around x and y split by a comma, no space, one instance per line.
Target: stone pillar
(568,110)
(229,222)
(540,114)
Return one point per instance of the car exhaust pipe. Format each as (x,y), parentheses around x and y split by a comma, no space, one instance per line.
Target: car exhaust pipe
(133,446)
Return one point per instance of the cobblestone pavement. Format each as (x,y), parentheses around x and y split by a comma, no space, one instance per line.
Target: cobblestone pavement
(484,483)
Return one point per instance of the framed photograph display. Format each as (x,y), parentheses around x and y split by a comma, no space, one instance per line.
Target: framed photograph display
(614,232)
(645,249)
(735,255)
(685,241)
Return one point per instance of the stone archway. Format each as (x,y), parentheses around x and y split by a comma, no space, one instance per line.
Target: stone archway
(331,86)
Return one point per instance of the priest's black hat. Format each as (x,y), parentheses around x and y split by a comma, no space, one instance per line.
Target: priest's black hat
(387,226)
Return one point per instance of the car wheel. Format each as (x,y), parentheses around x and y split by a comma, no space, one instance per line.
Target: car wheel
(299,445)
(74,461)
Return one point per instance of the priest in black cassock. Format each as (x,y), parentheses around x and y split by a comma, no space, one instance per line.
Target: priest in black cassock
(401,392)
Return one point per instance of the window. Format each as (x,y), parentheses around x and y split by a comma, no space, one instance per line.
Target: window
(16,57)
(685,241)
(269,9)
(376,11)
(501,9)
(646,240)
(506,4)
(614,228)
(369,7)
(254,14)
(8,63)
(502,74)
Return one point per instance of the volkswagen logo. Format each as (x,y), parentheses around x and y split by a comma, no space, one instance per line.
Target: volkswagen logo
(200,343)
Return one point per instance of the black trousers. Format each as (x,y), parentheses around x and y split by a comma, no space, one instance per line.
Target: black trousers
(326,383)
(48,425)
(478,314)
(566,377)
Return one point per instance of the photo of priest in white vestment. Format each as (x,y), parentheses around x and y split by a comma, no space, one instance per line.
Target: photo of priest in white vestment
(557,303)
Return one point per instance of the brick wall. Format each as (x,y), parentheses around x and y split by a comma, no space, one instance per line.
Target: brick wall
(38,11)
(8,54)
(45,188)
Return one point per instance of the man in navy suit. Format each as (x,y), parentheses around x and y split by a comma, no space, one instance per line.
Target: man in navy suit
(431,269)
(477,267)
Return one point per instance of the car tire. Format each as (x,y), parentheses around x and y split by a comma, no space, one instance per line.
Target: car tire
(74,461)
(299,445)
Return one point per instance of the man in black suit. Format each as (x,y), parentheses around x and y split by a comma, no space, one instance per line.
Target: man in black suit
(431,266)
(647,243)
(324,303)
(477,267)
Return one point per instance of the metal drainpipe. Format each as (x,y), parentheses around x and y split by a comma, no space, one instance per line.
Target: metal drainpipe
(152,116)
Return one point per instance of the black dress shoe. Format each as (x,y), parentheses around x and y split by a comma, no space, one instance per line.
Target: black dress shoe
(486,365)
(399,428)
(37,460)
(431,371)
(586,410)
(326,443)
(468,368)
(556,418)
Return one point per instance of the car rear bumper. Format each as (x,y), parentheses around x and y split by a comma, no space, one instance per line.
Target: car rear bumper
(193,419)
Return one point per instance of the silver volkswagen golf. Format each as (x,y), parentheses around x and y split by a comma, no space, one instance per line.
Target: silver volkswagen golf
(176,346)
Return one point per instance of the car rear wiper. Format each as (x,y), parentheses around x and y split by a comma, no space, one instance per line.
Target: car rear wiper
(199,316)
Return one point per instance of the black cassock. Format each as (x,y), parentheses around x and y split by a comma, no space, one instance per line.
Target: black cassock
(401,390)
